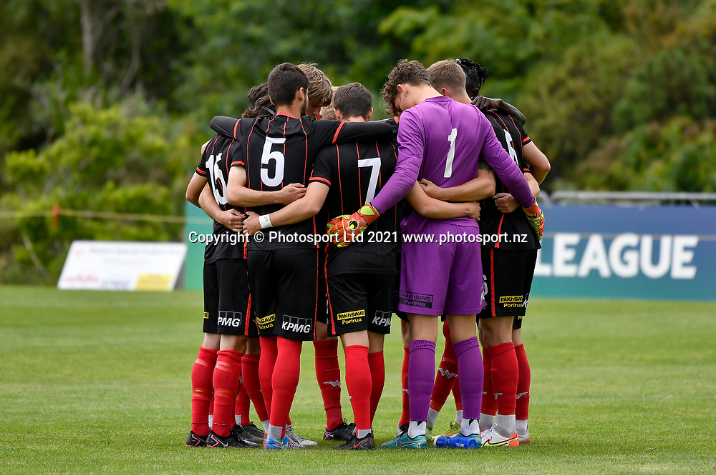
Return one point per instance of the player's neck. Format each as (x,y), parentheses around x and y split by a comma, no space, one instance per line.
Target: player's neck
(425,91)
(464,98)
(354,119)
(294,110)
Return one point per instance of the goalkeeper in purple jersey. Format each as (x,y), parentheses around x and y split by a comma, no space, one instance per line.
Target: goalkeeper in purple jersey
(439,140)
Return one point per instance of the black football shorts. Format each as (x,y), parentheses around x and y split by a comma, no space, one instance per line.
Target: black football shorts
(284,288)
(360,302)
(227,302)
(507,281)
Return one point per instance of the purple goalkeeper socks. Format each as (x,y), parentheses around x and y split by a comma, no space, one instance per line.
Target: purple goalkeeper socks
(421,373)
(469,364)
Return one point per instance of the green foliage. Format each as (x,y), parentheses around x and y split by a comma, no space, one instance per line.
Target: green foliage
(569,105)
(679,155)
(110,159)
(105,100)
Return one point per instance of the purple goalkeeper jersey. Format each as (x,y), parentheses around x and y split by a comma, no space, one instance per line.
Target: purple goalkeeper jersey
(442,140)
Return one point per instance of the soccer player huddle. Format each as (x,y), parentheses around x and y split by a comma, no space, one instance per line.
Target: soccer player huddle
(338,218)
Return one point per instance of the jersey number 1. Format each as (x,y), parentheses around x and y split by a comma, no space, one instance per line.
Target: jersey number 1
(278,159)
(451,154)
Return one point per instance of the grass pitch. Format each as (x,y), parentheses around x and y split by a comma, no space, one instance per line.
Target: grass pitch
(99,382)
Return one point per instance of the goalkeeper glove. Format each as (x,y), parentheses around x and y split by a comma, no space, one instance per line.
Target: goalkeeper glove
(346,228)
(535,217)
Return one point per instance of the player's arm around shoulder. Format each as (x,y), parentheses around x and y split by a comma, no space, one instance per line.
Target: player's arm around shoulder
(238,194)
(194,188)
(436,209)
(506,203)
(539,162)
(298,211)
(477,189)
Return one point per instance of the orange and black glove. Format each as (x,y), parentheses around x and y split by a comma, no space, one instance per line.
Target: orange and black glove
(535,217)
(345,228)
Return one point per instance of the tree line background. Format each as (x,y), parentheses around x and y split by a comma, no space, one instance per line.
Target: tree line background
(106,102)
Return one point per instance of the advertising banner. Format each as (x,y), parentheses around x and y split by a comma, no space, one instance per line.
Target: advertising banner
(648,252)
(109,265)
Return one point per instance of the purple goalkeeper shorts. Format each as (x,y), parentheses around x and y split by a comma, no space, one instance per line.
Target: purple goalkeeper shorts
(442,279)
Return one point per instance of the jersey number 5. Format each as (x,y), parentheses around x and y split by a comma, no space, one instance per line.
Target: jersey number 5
(374,163)
(451,154)
(278,159)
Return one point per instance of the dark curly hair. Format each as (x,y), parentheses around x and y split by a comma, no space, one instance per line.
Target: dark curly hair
(405,72)
(475,76)
(259,102)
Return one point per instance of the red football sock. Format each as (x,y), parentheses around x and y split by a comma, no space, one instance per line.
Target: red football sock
(489,405)
(376,362)
(328,374)
(202,374)
(504,374)
(456,394)
(523,383)
(446,375)
(269,352)
(243,403)
(285,381)
(405,416)
(250,375)
(226,386)
(211,404)
(359,384)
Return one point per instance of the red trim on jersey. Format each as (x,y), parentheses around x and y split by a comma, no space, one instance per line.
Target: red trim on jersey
(248,316)
(506,128)
(237,163)
(328,294)
(525,139)
(316,178)
(200,172)
(236,126)
(305,159)
(499,230)
(315,306)
(518,129)
(340,186)
(335,137)
(492,280)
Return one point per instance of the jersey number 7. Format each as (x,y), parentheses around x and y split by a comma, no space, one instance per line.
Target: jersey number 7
(374,163)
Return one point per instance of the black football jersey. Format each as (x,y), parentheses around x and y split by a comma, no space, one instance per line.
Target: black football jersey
(356,172)
(215,165)
(512,137)
(280,150)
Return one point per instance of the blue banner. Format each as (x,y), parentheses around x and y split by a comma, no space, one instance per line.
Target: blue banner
(649,252)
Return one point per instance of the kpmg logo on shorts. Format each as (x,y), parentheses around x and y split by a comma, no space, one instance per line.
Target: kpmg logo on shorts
(347,318)
(231,319)
(381,319)
(266,322)
(416,300)
(296,324)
